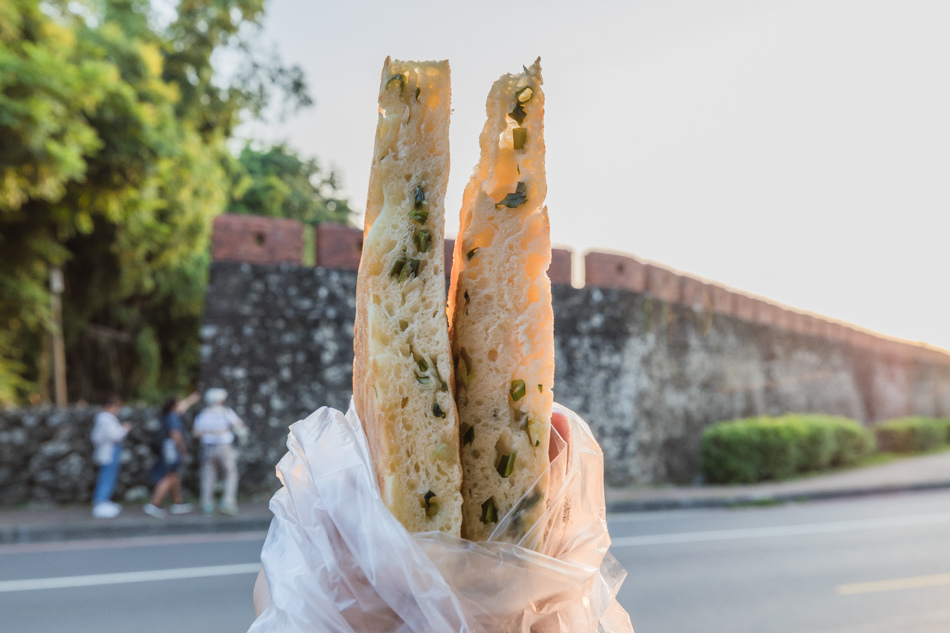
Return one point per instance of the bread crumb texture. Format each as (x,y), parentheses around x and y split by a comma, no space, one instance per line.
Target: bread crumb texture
(402,375)
(502,324)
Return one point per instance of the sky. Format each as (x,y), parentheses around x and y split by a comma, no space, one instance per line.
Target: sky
(794,149)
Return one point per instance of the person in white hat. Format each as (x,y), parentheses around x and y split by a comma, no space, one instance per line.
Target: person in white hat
(215,426)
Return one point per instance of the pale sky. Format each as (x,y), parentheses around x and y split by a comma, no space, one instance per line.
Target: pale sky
(799,150)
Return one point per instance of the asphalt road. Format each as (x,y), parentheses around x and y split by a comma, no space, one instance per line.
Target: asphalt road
(859,566)
(870,565)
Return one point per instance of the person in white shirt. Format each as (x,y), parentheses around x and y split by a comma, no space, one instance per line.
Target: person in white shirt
(215,426)
(107,436)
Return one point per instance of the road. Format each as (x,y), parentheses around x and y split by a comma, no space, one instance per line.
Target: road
(799,568)
(856,566)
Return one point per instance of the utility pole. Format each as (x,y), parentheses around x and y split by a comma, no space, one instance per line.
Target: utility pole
(59,348)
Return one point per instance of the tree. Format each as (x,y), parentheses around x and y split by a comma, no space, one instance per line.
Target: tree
(278,183)
(112,165)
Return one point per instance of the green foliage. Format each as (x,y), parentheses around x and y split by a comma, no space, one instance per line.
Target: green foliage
(912,434)
(763,448)
(278,183)
(853,442)
(814,440)
(113,163)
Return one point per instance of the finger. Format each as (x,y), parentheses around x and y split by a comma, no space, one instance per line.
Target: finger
(561,425)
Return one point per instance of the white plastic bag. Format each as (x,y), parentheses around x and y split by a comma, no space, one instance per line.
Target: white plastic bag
(337,561)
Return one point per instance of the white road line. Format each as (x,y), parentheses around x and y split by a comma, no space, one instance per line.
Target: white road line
(782,530)
(95,580)
(130,541)
(914,582)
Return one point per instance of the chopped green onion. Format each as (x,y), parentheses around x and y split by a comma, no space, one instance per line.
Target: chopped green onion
(399,79)
(540,388)
(419,215)
(506,465)
(423,380)
(435,370)
(423,240)
(423,365)
(518,114)
(464,370)
(515,199)
(535,429)
(519,136)
(437,410)
(489,513)
(431,507)
(472,253)
(396,270)
(420,197)
(410,270)
(524,95)
(468,434)
(517,390)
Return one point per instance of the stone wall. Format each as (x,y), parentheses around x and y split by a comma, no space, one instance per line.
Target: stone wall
(648,374)
(46,455)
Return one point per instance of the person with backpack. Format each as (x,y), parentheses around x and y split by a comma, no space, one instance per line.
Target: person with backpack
(168,445)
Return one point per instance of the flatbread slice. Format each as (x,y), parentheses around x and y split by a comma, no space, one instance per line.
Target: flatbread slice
(502,324)
(402,371)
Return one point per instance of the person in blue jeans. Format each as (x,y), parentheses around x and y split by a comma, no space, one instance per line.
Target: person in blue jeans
(107,436)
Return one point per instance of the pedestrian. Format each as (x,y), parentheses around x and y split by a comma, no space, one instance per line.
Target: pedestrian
(107,436)
(215,426)
(169,447)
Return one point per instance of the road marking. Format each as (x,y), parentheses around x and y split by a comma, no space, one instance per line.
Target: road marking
(131,541)
(782,530)
(95,580)
(914,582)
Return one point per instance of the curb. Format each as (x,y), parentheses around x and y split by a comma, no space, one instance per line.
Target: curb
(754,499)
(43,533)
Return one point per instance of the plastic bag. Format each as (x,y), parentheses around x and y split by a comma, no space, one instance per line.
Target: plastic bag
(337,561)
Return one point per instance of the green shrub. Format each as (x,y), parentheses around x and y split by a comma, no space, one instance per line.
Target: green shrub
(815,441)
(913,434)
(853,442)
(945,424)
(779,447)
(757,449)
(729,453)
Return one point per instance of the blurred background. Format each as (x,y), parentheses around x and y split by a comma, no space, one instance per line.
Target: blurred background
(749,206)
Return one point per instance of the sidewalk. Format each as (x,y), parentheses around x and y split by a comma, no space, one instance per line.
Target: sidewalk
(40,524)
(67,523)
(927,472)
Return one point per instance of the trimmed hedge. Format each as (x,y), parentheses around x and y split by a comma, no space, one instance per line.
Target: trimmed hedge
(913,434)
(758,449)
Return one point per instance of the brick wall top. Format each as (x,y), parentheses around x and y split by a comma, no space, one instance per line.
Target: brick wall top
(338,246)
(256,240)
(610,270)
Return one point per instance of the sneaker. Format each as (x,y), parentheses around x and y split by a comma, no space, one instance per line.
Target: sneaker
(208,510)
(153,510)
(106,510)
(228,509)
(180,508)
